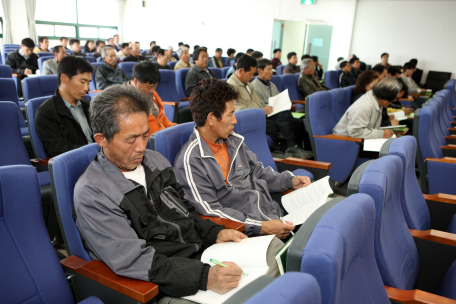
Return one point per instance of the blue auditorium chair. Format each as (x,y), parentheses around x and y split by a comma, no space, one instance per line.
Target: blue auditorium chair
(180,82)
(5,71)
(167,87)
(93,83)
(407,260)
(290,82)
(279,69)
(90,59)
(100,59)
(224,71)
(451,87)
(39,86)
(336,246)
(277,80)
(217,71)
(41,60)
(332,79)
(341,99)
(172,64)
(31,272)
(8,93)
(45,54)
(127,67)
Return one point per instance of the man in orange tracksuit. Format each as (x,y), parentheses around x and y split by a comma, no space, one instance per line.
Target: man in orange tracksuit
(146,78)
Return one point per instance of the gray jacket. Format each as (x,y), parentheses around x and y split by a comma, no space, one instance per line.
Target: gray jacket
(308,85)
(50,67)
(245,198)
(362,119)
(264,91)
(106,76)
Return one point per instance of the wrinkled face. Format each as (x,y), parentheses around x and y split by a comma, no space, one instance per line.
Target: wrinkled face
(224,127)
(385,59)
(78,85)
(185,56)
(371,85)
(45,44)
(265,74)
(203,60)
(27,51)
(146,88)
(127,147)
(293,60)
(60,54)
(356,64)
(110,58)
(76,47)
(91,45)
(246,76)
(310,70)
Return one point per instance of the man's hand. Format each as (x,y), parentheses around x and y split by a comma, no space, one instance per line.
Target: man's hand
(27,72)
(387,133)
(223,279)
(407,110)
(300,181)
(230,235)
(277,228)
(394,122)
(267,110)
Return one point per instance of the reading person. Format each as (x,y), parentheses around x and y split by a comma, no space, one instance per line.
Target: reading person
(220,175)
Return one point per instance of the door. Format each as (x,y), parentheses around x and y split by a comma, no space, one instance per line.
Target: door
(277,35)
(318,43)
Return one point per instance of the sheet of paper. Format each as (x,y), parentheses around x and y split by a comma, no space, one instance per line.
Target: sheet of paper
(280,103)
(400,115)
(374,145)
(302,197)
(393,127)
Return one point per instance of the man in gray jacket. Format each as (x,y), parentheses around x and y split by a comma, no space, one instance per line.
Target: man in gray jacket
(50,66)
(109,73)
(221,176)
(364,117)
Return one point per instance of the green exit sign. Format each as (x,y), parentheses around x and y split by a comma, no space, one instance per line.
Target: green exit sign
(308,2)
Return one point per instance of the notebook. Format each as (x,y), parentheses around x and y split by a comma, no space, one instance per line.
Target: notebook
(374,145)
(279,103)
(281,256)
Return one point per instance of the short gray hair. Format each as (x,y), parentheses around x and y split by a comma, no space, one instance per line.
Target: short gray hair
(169,48)
(305,63)
(105,49)
(180,50)
(387,89)
(107,107)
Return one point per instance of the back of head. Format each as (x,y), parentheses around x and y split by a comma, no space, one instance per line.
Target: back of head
(27,42)
(146,72)
(246,62)
(256,54)
(364,79)
(72,66)
(387,89)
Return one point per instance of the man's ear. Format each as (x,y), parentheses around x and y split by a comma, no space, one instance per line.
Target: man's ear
(210,119)
(101,140)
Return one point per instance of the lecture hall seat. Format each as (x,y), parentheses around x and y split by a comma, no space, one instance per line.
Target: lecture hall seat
(93,83)
(8,93)
(39,86)
(127,67)
(332,79)
(280,69)
(41,60)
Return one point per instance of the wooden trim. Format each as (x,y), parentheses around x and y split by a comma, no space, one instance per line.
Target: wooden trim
(17,75)
(416,297)
(435,236)
(294,107)
(95,91)
(453,122)
(229,224)
(453,136)
(414,94)
(185,99)
(170,103)
(303,102)
(303,163)
(40,161)
(452,129)
(339,137)
(449,147)
(448,160)
(97,271)
(441,197)
(406,99)
(287,191)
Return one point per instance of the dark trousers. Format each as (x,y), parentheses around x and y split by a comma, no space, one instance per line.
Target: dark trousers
(282,126)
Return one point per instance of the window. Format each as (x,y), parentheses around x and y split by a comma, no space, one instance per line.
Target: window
(76,18)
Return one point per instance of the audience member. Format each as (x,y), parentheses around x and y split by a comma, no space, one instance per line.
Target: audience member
(184,59)
(257,55)
(318,67)
(109,73)
(64,42)
(407,77)
(381,70)
(210,186)
(199,71)
(365,82)
(135,54)
(384,57)
(62,121)
(44,45)
(171,54)
(111,43)
(346,77)
(155,50)
(75,46)
(23,61)
(291,67)
(149,51)
(262,84)
(305,56)
(50,67)
(307,82)
(216,61)
(276,59)
(180,44)
(278,126)
(388,119)
(162,60)
(100,44)
(417,73)
(146,78)
(124,51)
(116,40)
(339,61)
(249,52)
(362,65)
(363,118)
(355,66)
(89,46)
(233,68)
(230,57)
(394,71)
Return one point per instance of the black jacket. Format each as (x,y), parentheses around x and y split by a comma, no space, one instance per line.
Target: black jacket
(58,130)
(194,76)
(73,53)
(135,59)
(347,79)
(18,63)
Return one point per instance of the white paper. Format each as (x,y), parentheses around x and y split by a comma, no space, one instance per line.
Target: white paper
(280,103)
(392,127)
(399,115)
(300,204)
(374,145)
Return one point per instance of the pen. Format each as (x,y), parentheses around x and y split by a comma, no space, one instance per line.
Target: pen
(281,218)
(223,265)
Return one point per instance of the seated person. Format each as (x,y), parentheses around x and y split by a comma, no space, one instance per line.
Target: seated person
(89,46)
(278,126)
(241,194)
(262,84)
(146,78)
(276,60)
(100,44)
(230,58)
(64,42)
(44,45)
(387,116)
(365,82)
(355,66)
(162,60)
(124,51)
(346,77)
(381,70)
(396,104)
(135,54)
(291,67)
(232,69)
(217,59)
(50,66)
(394,71)
(62,121)
(417,73)
(307,82)
(184,62)
(364,117)
(409,68)
(199,71)
(384,57)
(23,61)
(149,51)
(123,197)
(155,50)
(75,46)
(318,67)
(257,55)
(249,52)
(171,53)
(109,73)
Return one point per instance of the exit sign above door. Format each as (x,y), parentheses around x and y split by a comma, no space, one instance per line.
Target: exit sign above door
(308,2)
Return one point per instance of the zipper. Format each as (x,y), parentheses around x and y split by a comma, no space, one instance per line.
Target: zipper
(231,165)
(178,206)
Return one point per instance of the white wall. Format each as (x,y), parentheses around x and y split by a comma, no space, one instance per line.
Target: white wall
(293,39)
(409,29)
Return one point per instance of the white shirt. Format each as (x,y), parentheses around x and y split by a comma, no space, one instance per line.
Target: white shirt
(138,175)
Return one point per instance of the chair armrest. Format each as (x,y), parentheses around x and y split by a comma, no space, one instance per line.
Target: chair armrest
(185,99)
(441,197)
(229,224)
(415,296)
(452,129)
(449,147)
(40,161)
(453,122)
(303,163)
(435,236)
(17,75)
(294,107)
(171,103)
(449,160)
(95,91)
(339,137)
(99,272)
(303,102)
(414,94)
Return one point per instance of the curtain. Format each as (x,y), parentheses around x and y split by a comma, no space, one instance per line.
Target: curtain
(7,34)
(121,8)
(30,6)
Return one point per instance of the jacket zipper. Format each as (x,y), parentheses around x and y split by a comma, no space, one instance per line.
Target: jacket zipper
(170,197)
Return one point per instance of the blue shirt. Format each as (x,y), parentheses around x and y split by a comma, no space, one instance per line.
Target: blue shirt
(78,114)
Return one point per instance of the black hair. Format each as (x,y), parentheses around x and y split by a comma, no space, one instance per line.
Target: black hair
(56,49)
(180,44)
(393,70)
(277,50)
(146,72)
(74,40)
(404,87)
(29,43)
(246,62)
(263,63)
(86,46)
(408,66)
(61,38)
(152,42)
(115,35)
(352,61)
(256,54)
(161,52)
(379,68)
(291,54)
(339,59)
(387,89)
(384,55)
(314,58)
(218,50)
(187,46)
(41,39)
(197,52)
(137,42)
(415,61)
(72,66)
(230,51)
(124,45)
(155,48)
(305,56)
(99,42)
(249,51)
(195,47)
(343,64)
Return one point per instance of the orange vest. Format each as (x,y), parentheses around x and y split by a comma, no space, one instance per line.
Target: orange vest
(161,122)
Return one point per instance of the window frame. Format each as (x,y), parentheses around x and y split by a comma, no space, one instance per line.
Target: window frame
(1,21)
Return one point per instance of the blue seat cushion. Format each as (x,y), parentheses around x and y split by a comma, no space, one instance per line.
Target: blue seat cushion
(452,226)
(302,172)
(21,104)
(270,141)
(91,300)
(25,131)
(447,286)
(44,178)
(183,104)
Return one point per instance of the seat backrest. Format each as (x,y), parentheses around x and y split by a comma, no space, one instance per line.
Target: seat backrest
(435,81)
(279,69)
(428,142)
(441,126)
(46,54)
(224,71)
(341,103)
(340,253)
(93,83)
(65,171)
(127,67)
(331,79)
(451,87)
(31,272)
(39,86)
(172,64)
(90,59)
(290,82)
(41,60)
(169,112)
(5,71)
(217,71)
(446,105)
(167,87)
(320,113)
(277,80)
(251,124)
(180,82)
(395,250)
(31,107)
(12,148)
(8,92)
(100,59)
(169,141)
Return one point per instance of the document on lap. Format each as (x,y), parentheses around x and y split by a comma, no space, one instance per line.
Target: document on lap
(280,103)
(400,115)
(374,145)
(301,203)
